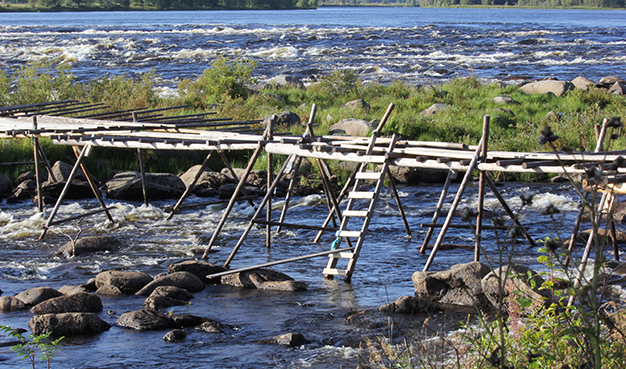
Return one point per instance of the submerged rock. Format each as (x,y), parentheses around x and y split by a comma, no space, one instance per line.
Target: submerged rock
(184,280)
(408,305)
(264,279)
(87,245)
(67,324)
(289,339)
(199,268)
(144,320)
(127,186)
(10,303)
(175,335)
(126,282)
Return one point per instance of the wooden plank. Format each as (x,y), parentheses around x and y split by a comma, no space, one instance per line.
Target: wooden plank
(353,234)
(355,213)
(335,271)
(361,195)
(368,175)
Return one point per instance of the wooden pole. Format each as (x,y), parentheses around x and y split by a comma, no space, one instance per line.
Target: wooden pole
(37,173)
(191,185)
(233,198)
(93,186)
(144,185)
(294,178)
(259,210)
(444,192)
(481,190)
(394,191)
(46,162)
(270,169)
(342,194)
(454,205)
(83,153)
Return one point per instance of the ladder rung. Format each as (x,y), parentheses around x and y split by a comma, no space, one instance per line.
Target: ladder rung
(342,255)
(333,271)
(361,195)
(355,234)
(355,213)
(368,175)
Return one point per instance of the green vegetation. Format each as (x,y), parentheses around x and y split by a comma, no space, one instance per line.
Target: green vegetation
(588,4)
(38,345)
(99,5)
(514,127)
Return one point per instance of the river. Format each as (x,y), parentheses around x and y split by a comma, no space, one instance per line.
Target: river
(412,44)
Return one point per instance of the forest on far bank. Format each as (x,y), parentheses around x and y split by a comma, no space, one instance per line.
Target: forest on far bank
(99,5)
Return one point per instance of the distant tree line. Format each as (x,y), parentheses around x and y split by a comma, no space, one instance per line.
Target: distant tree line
(153,4)
(530,3)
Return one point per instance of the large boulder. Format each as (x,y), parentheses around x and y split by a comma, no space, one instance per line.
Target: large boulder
(518,281)
(618,88)
(6,186)
(144,320)
(68,324)
(285,80)
(584,83)
(610,80)
(127,186)
(408,305)
(91,244)
(165,296)
(408,175)
(127,283)
(256,177)
(78,303)
(458,287)
(505,100)
(79,188)
(284,118)
(10,303)
(352,127)
(208,182)
(199,268)
(264,279)
(358,104)
(434,109)
(557,88)
(289,339)
(34,296)
(184,280)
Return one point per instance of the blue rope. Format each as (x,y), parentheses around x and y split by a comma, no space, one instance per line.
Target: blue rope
(336,242)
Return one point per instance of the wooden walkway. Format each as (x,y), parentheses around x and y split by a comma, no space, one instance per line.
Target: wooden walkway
(224,135)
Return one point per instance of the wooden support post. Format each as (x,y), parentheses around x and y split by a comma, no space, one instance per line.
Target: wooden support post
(83,153)
(144,185)
(444,192)
(394,191)
(92,184)
(342,194)
(270,169)
(294,178)
(37,174)
(46,162)
(191,185)
(454,205)
(481,189)
(508,210)
(260,209)
(334,204)
(233,198)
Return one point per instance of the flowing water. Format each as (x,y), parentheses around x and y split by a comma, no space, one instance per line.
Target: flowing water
(382,44)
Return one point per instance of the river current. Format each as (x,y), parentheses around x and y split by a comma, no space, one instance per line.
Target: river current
(382,44)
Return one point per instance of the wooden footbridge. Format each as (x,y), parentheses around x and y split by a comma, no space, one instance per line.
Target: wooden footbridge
(146,130)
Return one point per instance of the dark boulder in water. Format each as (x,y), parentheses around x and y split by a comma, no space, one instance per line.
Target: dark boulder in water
(144,320)
(68,324)
(34,296)
(78,303)
(184,280)
(87,245)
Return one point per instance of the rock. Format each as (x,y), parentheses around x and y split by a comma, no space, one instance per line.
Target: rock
(34,296)
(610,80)
(176,335)
(29,176)
(127,282)
(188,320)
(78,303)
(226,191)
(109,291)
(10,303)
(557,88)
(25,190)
(68,324)
(184,280)
(256,178)
(552,116)
(199,268)
(289,339)
(88,245)
(521,282)
(6,186)
(263,279)
(407,175)
(408,305)
(284,118)
(618,88)
(358,104)
(505,99)
(61,171)
(161,302)
(210,327)
(208,182)
(127,186)
(459,286)
(285,80)
(72,290)
(352,127)
(434,109)
(584,83)
(79,188)
(277,98)
(144,320)
(172,292)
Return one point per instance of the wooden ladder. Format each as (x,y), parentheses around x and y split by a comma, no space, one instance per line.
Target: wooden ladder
(357,196)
